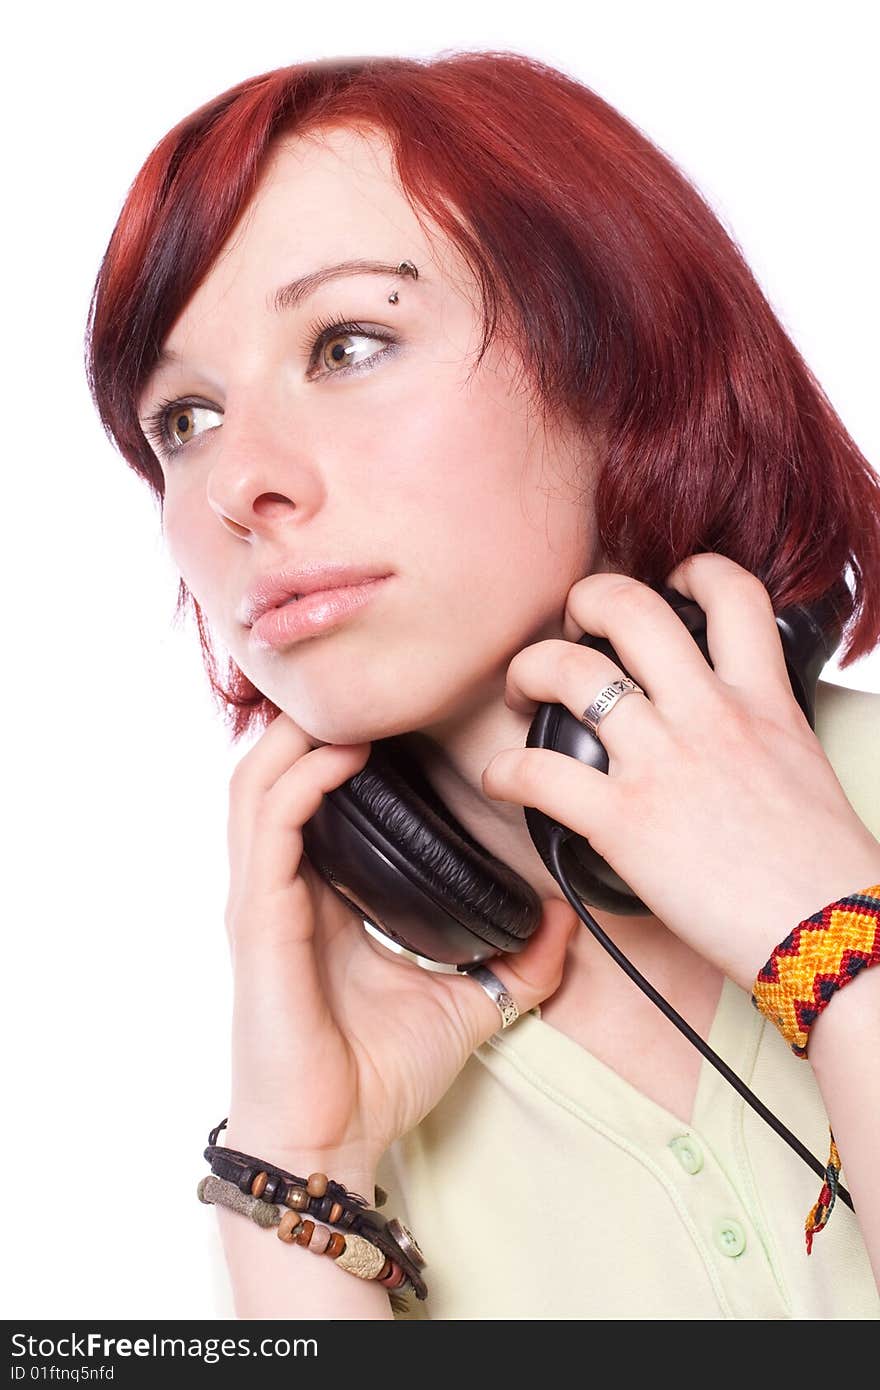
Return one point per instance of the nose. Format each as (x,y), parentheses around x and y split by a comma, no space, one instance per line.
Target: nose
(263,474)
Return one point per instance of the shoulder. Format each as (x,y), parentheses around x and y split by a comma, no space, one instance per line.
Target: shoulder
(848,720)
(848,728)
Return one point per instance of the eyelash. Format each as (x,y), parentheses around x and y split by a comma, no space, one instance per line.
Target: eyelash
(319,332)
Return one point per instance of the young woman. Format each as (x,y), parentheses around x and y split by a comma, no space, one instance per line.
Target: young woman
(453,341)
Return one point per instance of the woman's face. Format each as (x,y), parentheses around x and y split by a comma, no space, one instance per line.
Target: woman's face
(444,479)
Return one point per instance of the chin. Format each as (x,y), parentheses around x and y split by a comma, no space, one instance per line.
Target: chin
(344,729)
(356,708)
(374,697)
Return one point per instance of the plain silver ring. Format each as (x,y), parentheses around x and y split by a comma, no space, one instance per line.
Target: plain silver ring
(497,992)
(606,700)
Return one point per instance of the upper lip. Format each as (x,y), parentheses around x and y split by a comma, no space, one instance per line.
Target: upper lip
(272,589)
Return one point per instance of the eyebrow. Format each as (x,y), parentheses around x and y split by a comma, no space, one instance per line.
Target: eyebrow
(294,293)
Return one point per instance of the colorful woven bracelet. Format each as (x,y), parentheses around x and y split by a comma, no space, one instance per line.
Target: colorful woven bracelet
(823,953)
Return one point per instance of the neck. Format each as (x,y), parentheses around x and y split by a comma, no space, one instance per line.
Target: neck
(452,756)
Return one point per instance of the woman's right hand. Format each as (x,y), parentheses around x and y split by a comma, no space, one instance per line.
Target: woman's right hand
(337,1049)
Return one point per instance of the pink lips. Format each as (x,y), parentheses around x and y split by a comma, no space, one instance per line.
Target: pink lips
(271,590)
(313,613)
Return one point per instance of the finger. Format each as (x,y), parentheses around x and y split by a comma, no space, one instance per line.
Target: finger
(277,978)
(530,976)
(271,919)
(741,630)
(276,843)
(650,640)
(566,673)
(577,796)
(281,743)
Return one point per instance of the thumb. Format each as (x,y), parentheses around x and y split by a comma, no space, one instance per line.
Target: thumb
(536,972)
(533,974)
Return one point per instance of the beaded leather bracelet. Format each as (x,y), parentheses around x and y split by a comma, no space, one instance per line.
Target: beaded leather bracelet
(374,1248)
(351,1252)
(823,953)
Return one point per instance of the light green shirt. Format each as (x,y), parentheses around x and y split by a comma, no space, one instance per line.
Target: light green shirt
(543,1185)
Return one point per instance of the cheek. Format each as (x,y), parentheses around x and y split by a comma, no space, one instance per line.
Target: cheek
(489,504)
(454,465)
(191,550)
(175,527)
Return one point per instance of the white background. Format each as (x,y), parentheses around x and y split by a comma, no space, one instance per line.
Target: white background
(117,979)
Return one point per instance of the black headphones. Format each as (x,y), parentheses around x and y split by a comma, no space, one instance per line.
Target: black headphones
(426,889)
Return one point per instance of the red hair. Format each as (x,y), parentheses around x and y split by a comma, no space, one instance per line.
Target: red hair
(631,307)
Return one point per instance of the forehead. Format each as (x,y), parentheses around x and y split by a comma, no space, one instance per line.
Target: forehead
(321,199)
(328,197)
(340,158)
(331,173)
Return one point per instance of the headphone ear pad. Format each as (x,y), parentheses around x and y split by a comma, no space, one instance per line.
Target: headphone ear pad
(387,838)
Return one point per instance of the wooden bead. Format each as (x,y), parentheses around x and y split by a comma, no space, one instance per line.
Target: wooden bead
(320,1240)
(287,1225)
(297,1198)
(317,1184)
(258,1186)
(304,1234)
(334,1213)
(320,1208)
(336,1245)
(275,1185)
(394,1279)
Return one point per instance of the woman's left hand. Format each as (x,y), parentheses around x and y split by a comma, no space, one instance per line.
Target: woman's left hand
(719,808)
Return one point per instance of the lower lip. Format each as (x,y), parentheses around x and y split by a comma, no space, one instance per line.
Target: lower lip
(312,614)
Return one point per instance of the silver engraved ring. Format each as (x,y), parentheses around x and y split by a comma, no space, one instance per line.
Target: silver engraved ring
(606,700)
(497,992)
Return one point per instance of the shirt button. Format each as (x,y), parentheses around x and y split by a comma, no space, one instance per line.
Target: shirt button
(688,1153)
(730,1237)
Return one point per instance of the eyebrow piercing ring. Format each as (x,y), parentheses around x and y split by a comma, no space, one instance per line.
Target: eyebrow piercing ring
(405,268)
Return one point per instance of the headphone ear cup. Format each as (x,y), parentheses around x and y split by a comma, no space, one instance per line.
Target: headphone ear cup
(390,847)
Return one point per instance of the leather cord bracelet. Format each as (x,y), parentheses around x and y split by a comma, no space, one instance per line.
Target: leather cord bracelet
(335,1204)
(350,1252)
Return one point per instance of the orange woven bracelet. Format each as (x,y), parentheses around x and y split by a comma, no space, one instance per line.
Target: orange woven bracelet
(821,955)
